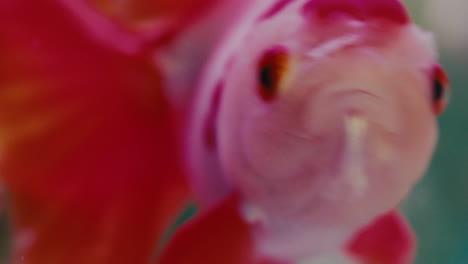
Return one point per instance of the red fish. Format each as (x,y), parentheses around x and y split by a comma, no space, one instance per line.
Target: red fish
(89,156)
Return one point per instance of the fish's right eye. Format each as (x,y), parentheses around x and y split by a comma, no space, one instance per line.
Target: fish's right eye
(271,70)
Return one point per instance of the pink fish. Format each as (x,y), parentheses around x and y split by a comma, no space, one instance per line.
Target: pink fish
(318,116)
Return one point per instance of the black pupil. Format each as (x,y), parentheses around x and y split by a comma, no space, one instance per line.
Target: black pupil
(271,68)
(267,77)
(438,91)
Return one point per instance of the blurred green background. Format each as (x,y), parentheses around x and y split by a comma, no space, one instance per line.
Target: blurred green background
(438,206)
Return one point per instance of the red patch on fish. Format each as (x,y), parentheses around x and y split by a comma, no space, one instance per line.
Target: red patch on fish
(389,10)
(280,5)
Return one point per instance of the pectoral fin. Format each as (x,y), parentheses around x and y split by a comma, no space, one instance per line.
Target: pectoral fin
(219,235)
(387,240)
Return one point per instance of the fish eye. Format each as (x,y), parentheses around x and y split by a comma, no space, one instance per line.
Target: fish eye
(440,89)
(271,69)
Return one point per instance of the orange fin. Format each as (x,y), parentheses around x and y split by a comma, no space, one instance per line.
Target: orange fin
(387,240)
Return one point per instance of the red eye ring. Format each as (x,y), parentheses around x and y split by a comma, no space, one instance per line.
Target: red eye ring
(271,68)
(440,89)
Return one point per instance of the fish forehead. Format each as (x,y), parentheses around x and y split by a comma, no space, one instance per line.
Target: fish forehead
(348,22)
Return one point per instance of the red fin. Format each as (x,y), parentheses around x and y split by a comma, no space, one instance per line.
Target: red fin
(387,240)
(89,151)
(391,10)
(219,235)
(140,11)
(155,17)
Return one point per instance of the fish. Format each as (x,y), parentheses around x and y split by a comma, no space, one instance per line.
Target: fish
(307,123)
(319,116)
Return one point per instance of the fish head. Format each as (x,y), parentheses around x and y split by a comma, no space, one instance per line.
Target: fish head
(327,120)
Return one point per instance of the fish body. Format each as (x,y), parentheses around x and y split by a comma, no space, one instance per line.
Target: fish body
(321,116)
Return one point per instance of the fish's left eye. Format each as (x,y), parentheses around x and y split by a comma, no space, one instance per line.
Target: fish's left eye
(440,89)
(271,68)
